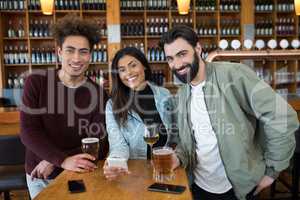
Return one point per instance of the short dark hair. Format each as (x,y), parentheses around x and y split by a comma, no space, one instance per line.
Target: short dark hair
(180,31)
(71,24)
(120,93)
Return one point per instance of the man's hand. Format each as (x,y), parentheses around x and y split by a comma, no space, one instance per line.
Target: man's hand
(265,182)
(79,163)
(175,161)
(42,170)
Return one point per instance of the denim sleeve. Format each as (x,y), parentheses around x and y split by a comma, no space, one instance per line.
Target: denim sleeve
(118,146)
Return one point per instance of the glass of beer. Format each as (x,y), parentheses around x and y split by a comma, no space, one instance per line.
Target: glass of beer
(162,164)
(151,136)
(90,145)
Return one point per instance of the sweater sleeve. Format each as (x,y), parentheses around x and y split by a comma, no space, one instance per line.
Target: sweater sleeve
(33,134)
(279,121)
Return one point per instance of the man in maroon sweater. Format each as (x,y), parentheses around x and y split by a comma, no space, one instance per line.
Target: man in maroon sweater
(60,107)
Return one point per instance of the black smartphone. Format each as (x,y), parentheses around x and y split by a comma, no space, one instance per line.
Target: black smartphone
(76,186)
(160,187)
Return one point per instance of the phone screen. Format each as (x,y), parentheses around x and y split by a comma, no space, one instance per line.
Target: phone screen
(159,187)
(76,186)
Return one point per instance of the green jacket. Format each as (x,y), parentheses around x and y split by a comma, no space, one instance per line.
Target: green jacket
(254,126)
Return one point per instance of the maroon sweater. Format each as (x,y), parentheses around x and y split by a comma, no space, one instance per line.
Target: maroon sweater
(54,119)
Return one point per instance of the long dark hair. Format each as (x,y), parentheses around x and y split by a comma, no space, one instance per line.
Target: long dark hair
(121,94)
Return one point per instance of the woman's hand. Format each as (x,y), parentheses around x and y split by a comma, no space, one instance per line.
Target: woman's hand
(112,173)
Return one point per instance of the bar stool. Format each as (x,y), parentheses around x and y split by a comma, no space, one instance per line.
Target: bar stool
(12,171)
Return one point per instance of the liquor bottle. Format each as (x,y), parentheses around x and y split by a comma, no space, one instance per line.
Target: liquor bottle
(6,56)
(35,29)
(21,4)
(21,55)
(10,32)
(21,31)
(95,54)
(10,83)
(99,53)
(53,56)
(38,5)
(31,29)
(16,81)
(33,56)
(104,54)
(26,56)
(41,29)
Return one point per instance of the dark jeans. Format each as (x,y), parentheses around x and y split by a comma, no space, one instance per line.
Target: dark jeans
(200,194)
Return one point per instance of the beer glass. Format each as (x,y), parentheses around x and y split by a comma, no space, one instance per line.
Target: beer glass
(162,164)
(90,145)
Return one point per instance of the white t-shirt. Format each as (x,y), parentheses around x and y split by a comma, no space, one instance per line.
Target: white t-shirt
(209,173)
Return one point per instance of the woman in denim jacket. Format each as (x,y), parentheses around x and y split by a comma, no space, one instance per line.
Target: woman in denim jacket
(135,103)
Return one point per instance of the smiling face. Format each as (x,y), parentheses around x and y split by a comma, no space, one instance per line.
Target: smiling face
(75,56)
(183,59)
(131,72)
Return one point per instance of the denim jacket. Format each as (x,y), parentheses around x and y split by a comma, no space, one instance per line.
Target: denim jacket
(127,142)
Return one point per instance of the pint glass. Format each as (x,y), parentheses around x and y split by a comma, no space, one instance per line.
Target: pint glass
(162,164)
(90,146)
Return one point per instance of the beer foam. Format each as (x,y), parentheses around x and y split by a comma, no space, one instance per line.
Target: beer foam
(90,140)
(162,151)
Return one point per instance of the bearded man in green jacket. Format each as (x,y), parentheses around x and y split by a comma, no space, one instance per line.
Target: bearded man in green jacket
(235,133)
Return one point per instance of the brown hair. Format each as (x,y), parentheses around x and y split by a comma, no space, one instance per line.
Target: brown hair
(71,24)
(122,102)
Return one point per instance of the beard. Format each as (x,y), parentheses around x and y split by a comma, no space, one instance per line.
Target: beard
(192,71)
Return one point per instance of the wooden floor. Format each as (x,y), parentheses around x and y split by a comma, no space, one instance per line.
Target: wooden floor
(23,195)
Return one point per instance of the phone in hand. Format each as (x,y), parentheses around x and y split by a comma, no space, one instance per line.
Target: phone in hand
(160,187)
(117,162)
(76,186)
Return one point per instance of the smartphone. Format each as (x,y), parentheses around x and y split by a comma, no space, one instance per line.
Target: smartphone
(160,187)
(76,186)
(117,162)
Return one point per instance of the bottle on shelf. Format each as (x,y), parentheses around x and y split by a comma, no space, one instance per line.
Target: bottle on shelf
(98,76)
(15,81)
(43,55)
(157,4)
(230,27)
(132,4)
(10,83)
(230,5)
(11,33)
(264,6)
(34,5)
(207,29)
(155,54)
(285,6)
(158,77)
(21,30)
(132,28)
(15,54)
(12,4)
(264,27)
(285,26)
(94,4)
(205,5)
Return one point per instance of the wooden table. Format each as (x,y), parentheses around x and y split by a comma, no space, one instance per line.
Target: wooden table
(129,187)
